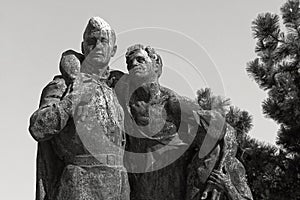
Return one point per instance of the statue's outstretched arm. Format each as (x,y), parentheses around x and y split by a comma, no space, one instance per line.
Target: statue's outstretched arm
(53,113)
(54,110)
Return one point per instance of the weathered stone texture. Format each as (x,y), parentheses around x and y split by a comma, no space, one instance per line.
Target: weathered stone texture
(79,127)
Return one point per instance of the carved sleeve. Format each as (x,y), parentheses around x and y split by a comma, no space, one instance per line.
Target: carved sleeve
(53,113)
(239,188)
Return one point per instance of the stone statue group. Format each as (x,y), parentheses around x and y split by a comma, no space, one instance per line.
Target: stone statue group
(108,135)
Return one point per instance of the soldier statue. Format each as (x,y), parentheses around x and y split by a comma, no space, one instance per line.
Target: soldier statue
(79,125)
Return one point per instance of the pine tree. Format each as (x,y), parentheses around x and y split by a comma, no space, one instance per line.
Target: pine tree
(277,71)
(271,173)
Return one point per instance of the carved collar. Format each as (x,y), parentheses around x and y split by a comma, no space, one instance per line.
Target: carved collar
(97,77)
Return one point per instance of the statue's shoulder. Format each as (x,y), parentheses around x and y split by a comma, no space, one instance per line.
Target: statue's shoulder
(172,99)
(170,94)
(69,67)
(117,79)
(69,64)
(179,102)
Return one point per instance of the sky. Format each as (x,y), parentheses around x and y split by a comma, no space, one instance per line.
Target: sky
(202,43)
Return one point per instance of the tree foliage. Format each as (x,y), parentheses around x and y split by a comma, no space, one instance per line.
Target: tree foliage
(277,70)
(274,172)
(271,172)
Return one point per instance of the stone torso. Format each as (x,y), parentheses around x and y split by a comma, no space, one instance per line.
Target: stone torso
(92,144)
(97,125)
(155,150)
(87,158)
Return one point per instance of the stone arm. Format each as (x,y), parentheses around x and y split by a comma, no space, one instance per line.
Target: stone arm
(233,183)
(230,177)
(239,189)
(53,112)
(211,121)
(215,131)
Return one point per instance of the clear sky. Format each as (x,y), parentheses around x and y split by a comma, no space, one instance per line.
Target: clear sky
(202,43)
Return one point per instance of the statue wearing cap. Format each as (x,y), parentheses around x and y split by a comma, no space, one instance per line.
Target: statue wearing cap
(79,126)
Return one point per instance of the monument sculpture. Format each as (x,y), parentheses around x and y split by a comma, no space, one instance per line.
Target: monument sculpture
(164,139)
(82,128)
(79,126)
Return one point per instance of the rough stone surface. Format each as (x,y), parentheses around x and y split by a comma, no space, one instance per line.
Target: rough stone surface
(175,149)
(70,64)
(70,164)
(223,157)
(186,177)
(79,129)
(168,182)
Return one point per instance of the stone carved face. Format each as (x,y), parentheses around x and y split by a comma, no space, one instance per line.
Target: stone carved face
(98,47)
(141,66)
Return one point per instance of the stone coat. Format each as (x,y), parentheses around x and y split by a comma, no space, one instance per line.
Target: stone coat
(162,151)
(79,129)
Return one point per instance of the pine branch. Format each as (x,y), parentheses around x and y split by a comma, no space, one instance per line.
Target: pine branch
(208,101)
(266,25)
(260,73)
(291,15)
(289,138)
(239,120)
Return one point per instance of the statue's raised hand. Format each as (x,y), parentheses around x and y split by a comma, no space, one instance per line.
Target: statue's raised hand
(140,112)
